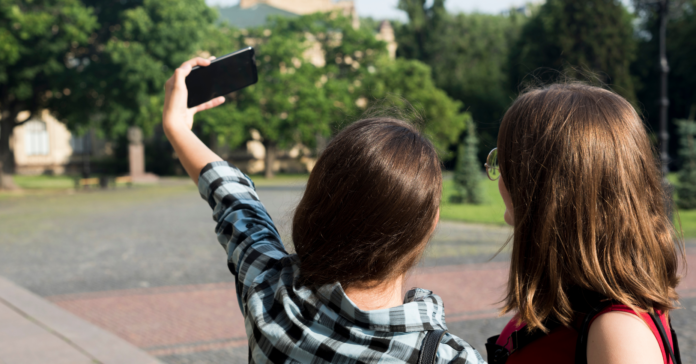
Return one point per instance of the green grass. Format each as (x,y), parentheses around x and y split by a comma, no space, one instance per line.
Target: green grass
(44,182)
(489,212)
(492,209)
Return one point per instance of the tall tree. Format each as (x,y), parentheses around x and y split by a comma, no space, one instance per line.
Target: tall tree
(576,36)
(117,77)
(296,101)
(469,56)
(411,82)
(35,42)
(681,52)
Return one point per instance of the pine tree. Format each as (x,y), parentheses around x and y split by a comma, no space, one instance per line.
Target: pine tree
(687,176)
(467,174)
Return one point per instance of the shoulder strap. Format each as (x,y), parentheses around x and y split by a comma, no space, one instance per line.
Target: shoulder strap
(663,336)
(581,343)
(428,350)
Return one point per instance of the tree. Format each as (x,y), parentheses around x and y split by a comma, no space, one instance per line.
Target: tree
(574,37)
(467,174)
(681,52)
(469,56)
(412,81)
(35,42)
(687,176)
(294,100)
(117,77)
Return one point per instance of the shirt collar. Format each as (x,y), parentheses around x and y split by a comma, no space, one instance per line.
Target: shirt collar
(422,310)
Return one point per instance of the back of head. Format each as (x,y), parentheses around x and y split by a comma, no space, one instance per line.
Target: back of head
(589,207)
(369,205)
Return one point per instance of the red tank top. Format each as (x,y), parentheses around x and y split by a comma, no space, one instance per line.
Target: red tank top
(558,347)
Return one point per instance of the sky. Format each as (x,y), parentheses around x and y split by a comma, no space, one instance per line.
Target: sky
(386,9)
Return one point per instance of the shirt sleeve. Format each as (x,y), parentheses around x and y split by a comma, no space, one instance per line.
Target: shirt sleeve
(244,228)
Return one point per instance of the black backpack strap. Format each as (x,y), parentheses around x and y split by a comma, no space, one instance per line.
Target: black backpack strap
(675,342)
(496,354)
(665,342)
(584,333)
(428,350)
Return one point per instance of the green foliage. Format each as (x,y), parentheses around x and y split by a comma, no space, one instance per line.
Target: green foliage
(469,56)
(681,52)
(117,77)
(296,101)
(35,39)
(467,174)
(412,81)
(575,37)
(686,189)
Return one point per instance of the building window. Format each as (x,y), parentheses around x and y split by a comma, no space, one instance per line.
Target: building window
(36,138)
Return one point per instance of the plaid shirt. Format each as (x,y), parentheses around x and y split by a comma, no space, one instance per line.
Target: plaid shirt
(289,324)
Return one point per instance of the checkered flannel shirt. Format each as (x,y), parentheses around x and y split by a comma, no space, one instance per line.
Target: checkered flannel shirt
(289,324)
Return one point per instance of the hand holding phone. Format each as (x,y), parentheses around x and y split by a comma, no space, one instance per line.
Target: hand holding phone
(224,75)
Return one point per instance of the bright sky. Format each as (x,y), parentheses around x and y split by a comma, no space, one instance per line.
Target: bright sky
(381,9)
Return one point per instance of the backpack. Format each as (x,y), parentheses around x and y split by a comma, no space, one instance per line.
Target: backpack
(594,305)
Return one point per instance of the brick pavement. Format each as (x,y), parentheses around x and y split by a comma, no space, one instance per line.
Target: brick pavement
(182,320)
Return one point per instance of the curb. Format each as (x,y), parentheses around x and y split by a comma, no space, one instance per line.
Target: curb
(39,331)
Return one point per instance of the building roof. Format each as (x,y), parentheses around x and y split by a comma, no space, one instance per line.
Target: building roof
(252,16)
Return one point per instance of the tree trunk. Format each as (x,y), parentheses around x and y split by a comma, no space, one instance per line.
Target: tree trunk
(269,159)
(6,156)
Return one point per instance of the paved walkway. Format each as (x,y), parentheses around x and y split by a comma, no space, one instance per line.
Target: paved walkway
(34,331)
(145,265)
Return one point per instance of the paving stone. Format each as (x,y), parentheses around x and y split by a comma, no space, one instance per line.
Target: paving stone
(150,256)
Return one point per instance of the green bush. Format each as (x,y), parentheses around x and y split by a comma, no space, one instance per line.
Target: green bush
(686,190)
(467,173)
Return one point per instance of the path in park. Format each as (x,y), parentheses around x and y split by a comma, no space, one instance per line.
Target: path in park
(145,265)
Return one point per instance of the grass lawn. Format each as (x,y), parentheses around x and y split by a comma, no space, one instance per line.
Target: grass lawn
(44,182)
(492,209)
(490,212)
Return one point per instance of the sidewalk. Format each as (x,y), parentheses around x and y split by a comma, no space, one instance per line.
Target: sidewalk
(33,330)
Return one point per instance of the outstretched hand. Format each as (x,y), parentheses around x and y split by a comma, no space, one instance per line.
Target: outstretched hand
(177,120)
(176,114)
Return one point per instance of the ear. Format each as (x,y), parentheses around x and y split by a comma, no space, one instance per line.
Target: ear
(436,220)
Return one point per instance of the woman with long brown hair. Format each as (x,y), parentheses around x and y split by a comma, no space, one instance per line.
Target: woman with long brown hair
(594,263)
(367,213)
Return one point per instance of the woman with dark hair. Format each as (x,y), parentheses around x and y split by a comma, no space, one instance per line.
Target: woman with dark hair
(370,206)
(594,264)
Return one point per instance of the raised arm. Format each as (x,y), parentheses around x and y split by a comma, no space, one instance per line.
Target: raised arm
(244,227)
(177,120)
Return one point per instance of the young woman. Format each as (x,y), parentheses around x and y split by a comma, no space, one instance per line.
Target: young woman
(594,265)
(370,206)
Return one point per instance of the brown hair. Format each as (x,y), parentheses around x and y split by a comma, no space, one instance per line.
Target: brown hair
(589,207)
(369,205)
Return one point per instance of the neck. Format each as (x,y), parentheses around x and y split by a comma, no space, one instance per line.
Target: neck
(377,297)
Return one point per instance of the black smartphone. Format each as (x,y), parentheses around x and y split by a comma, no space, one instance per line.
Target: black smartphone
(226,74)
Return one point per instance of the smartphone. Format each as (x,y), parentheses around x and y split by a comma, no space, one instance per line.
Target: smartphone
(224,75)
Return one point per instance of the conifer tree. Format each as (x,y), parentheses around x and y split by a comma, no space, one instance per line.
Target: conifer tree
(467,174)
(687,176)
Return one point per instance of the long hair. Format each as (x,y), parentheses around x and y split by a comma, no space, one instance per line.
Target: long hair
(369,205)
(589,207)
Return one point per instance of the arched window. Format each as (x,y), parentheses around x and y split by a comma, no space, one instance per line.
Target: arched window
(36,138)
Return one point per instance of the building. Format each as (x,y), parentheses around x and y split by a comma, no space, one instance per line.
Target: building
(253,13)
(45,146)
